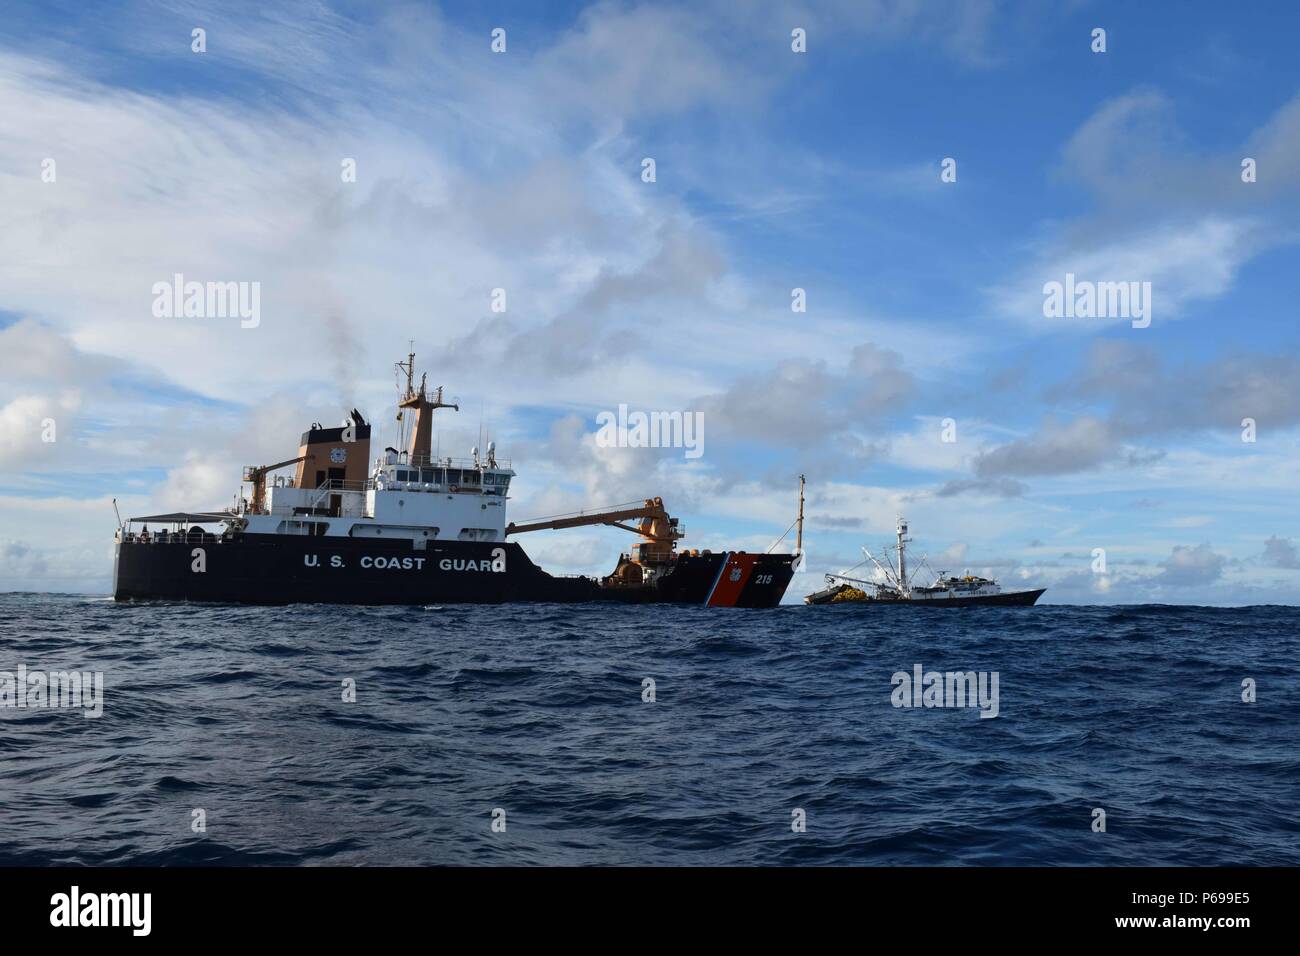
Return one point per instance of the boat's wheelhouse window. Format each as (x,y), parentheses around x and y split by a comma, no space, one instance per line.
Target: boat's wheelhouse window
(429,476)
(469,477)
(453,476)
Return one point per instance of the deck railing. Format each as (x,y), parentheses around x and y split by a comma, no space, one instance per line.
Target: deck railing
(172,537)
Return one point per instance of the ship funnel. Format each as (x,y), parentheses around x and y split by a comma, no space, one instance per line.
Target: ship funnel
(334,454)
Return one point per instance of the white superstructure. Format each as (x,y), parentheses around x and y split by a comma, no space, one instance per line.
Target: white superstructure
(410,494)
(439,499)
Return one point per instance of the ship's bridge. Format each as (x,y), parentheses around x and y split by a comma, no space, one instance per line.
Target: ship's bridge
(394,472)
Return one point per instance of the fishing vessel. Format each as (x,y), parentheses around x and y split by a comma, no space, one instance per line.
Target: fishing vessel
(410,527)
(895,586)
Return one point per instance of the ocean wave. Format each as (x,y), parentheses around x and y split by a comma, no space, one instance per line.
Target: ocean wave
(661,735)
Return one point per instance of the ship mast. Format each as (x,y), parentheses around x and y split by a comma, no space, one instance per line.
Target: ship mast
(902,560)
(798,535)
(422,430)
(409,368)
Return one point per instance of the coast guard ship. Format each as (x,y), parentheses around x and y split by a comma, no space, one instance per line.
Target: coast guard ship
(408,527)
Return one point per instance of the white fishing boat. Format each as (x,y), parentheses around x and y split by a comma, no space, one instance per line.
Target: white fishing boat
(894,585)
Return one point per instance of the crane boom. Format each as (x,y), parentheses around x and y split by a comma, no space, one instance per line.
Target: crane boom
(256,475)
(648,510)
(648,558)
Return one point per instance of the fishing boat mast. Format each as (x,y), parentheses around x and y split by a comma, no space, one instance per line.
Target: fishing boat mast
(903,586)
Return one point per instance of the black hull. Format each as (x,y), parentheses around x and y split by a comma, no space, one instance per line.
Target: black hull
(284,569)
(1010,599)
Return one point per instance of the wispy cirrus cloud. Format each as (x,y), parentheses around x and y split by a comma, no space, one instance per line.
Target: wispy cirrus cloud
(1160,211)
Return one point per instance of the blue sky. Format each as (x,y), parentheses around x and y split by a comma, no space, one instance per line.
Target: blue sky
(775,170)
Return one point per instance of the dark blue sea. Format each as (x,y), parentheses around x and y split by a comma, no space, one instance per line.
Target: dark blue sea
(538,711)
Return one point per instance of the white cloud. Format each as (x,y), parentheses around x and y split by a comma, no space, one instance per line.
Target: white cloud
(1189,566)
(1184,262)
(1162,212)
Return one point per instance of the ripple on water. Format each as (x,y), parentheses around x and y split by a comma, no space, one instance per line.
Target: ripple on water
(545,712)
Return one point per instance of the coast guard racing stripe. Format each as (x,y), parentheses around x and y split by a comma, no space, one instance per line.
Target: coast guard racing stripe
(736,569)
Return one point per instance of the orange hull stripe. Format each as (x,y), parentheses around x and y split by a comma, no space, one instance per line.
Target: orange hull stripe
(735,575)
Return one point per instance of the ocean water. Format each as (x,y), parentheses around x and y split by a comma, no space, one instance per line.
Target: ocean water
(538,711)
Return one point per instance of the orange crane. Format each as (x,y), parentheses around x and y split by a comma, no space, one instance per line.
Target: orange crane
(256,475)
(658,530)
(652,509)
